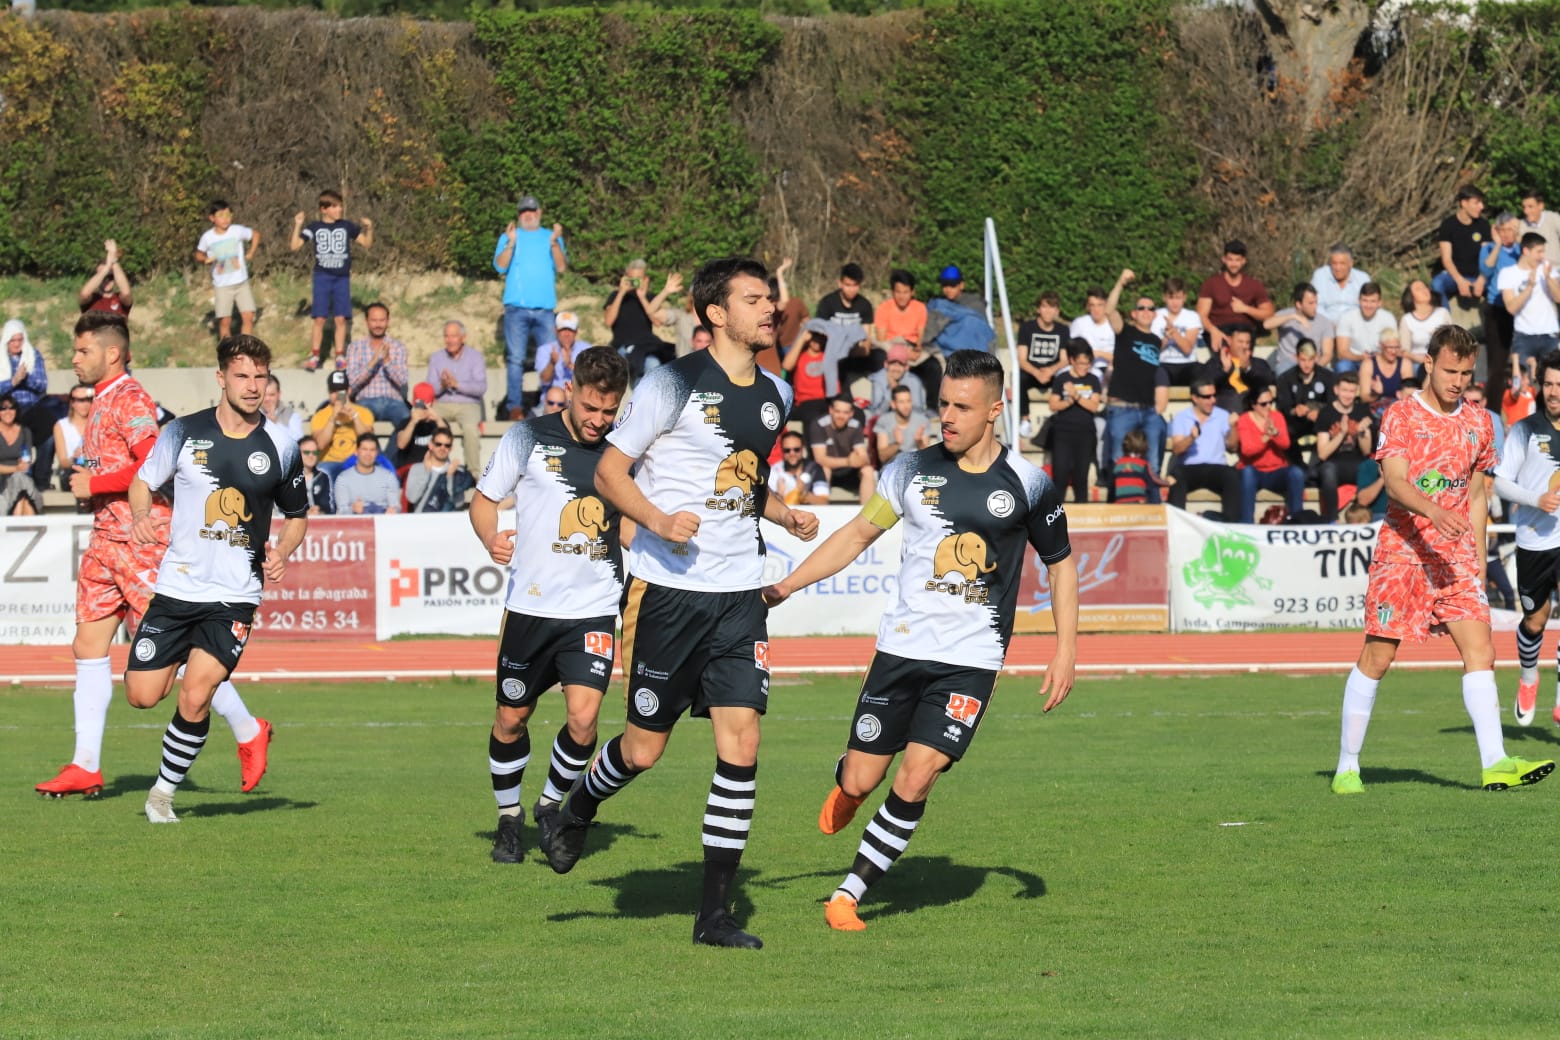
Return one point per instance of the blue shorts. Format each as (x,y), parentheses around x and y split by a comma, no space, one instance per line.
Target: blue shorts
(332,295)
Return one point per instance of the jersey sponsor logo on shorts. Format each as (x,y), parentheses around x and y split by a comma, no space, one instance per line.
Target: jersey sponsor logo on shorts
(651,673)
(770,415)
(514,689)
(999,504)
(227,506)
(867,698)
(598,668)
(968,556)
(761,656)
(868,728)
(962,707)
(144,649)
(259,462)
(953,733)
(240,632)
(646,702)
(599,643)
(738,471)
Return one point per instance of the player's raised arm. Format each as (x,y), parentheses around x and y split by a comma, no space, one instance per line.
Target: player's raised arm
(833,556)
(617,486)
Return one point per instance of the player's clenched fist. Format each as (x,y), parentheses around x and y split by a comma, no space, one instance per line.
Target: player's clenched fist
(501,547)
(679,527)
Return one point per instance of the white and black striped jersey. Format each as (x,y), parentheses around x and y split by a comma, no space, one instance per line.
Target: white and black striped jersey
(223,492)
(963,554)
(1528,462)
(568,562)
(703,445)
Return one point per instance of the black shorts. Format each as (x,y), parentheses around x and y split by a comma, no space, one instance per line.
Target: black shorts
(1538,572)
(924,702)
(698,650)
(171,628)
(537,653)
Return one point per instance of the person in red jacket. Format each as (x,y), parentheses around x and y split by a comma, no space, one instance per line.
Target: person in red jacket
(1264,459)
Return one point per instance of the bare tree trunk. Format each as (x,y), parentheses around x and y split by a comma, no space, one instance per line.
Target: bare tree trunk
(1312,43)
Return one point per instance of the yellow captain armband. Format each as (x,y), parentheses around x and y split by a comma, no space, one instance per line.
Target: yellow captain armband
(879,513)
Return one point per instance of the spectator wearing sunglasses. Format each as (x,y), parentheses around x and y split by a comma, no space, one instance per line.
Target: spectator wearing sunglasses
(322,499)
(436,484)
(69,431)
(1264,454)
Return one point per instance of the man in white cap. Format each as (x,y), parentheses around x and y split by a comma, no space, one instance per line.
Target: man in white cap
(555,360)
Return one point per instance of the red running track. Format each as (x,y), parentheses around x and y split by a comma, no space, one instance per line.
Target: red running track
(1124,654)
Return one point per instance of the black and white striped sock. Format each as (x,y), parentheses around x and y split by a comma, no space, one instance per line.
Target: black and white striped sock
(568,762)
(606,776)
(506,763)
(1529,646)
(885,838)
(728,817)
(181,743)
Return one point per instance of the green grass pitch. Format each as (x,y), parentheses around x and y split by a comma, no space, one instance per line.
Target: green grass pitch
(1157,858)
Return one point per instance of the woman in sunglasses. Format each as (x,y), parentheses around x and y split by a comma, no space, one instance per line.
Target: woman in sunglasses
(69,431)
(18,495)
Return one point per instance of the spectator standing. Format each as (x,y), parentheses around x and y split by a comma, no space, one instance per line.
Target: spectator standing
(1234,370)
(365,486)
(555,360)
(322,500)
(1077,396)
(895,374)
(1302,392)
(412,439)
(1180,330)
(813,362)
(798,480)
(1345,437)
(434,484)
(276,412)
(1361,329)
(222,249)
(1139,392)
(18,493)
(1529,289)
(1100,322)
(459,379)
(1263,438)
(1505,251)
(1538,220)
(900,320)
(1200,438)
(1422,315)
(339,423)
(1301,320)
(790,313)
(904,428)
(107,288)
(1232,297)
(632,315)
(1459,239)
(530,259)
(839,447)
(1338,283)
(377,372)
(1042,351)
(955,320)
(846,306)
(331,236)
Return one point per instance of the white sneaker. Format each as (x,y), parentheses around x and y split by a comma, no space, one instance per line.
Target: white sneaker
(159,807)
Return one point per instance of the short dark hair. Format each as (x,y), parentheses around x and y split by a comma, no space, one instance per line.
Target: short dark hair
(372,438)
(975,364)
(712,283)
(1548,361)
(1468,191)
(1079,347)
(106,327)
(792,433)
(1135,443)
(1049,298)
(234,347)
(1352,378)
(1454,338)
(7,401)
(330,197)
(854,272)
(376,306)
(1236,330)
(601,368)
(1235,247)
(217,206)
(1198,382)
(1094,292)
(844,399)
(1255,389)
(1370,289)
(899,276)
(1534,194)
(902,388)
(1301,289)
(1174,285)
(1531,239)
(1302,343)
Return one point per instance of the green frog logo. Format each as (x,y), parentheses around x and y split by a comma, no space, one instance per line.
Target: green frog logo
(1219,575)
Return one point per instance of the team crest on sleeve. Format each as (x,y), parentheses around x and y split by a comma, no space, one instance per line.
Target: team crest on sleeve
(770,414)
(1000,504)
(259,463)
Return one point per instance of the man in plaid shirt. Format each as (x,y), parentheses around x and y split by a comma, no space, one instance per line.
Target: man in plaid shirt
(376,369)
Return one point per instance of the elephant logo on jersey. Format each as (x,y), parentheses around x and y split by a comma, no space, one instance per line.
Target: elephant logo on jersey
(738,470)
(228,506)
(965,555)
(586,516)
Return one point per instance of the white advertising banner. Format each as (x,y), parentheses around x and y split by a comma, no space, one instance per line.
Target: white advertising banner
(40,557)
(1247,577)
(851,602)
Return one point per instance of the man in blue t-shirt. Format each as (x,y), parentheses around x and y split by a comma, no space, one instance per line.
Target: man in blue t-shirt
(530,259)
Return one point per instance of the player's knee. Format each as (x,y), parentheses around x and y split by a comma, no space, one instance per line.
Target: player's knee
(641,756)
(582,728)
(509,723)
(142,693)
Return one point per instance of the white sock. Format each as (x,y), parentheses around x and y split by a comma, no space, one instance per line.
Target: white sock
(1529,675)
(1359,698)
(94,693)
(1483,704)
(227,703)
